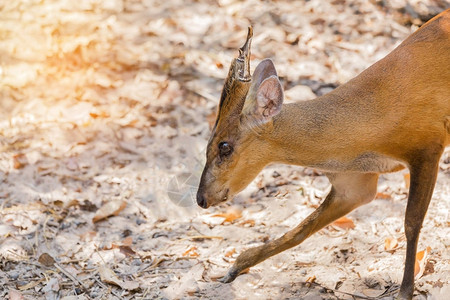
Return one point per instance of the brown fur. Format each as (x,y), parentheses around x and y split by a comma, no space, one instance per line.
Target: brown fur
(393,115)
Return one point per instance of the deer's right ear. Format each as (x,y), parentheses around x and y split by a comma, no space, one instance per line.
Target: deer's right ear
(265,96)
(269,98)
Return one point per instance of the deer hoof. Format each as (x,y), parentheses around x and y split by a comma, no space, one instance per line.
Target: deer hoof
(230,277)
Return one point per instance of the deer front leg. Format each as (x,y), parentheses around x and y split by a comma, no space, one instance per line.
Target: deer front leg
(349,190)
(423,178)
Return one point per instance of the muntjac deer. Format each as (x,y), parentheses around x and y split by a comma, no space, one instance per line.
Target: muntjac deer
(395,114)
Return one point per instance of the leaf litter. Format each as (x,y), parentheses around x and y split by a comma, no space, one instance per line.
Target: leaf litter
(104,103)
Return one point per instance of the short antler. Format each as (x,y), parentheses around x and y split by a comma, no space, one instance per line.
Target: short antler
(237,83)
(244,57)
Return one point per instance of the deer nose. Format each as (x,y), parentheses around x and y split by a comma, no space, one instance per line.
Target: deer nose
(201,200)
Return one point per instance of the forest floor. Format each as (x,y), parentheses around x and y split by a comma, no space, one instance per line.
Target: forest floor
(106,109)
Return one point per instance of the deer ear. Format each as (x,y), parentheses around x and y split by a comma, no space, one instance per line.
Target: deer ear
(269,98)
(265,96)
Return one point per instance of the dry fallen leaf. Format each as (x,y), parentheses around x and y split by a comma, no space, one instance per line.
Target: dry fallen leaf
(20,160)
(245,271)
(52,288)
(128,241)
(219,65)
(88,236)
(390,244)
(310,280)
(230,253)
(373,293)
(94,90)
(383,196)
(191,252)
(31,284)
(344,223)
(101,114)
(107,275)
(15,295)
(247,223)
(46,259)
(130,285)
(406,178)
(111,208)
(421,262)
(231,215)
(127,250)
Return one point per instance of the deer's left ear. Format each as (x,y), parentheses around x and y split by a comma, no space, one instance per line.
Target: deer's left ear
(265,96)
(269,98)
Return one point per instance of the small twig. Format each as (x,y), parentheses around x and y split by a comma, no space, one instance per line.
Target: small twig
(36,242)
(105,287)
(390,290)
(21,257)
(387,229)
(195,237)
(31,284)
(98,252)
(153,265)
(145,293)
(3,204)
(44,229)
(71,277)
(47,260)
(338,291)
(185,258)
(70,261)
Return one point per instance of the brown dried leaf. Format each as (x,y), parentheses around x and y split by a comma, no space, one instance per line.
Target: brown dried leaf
(20,160)
(191,252)
(344,223)
(231,215)
(111,208)
(46,260)
(407,178)
(128,241)
(421,262)
(107,275)
(245,271)
(248,223)
(127,250)
(230,253)
(383,196)
(429,267)
(390,244)
(101,114)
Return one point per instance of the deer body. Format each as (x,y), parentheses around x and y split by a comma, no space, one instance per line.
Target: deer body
(395,114)
(398,104)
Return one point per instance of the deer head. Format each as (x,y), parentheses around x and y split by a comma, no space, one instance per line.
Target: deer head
(237,150)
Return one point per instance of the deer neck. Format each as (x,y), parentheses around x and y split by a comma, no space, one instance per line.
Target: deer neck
(306,133)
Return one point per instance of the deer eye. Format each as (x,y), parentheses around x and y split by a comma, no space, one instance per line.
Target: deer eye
(225,149)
